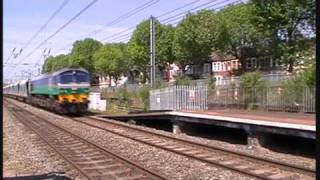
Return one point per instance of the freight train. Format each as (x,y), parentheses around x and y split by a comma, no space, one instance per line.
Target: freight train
(65,91)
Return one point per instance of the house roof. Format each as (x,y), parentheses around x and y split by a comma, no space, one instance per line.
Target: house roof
(221,57)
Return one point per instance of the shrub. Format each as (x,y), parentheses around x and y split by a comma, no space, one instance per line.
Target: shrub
(252,80)
(253,86)
(145,95)
(183,80)
(123,96)
(212,83)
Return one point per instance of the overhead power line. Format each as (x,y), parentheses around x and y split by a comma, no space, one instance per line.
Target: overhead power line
(197,7)
(174,10)
(127,15)
(182,14)
(119,19)
(6,62)
(59,29)
(161,15)
(64,3)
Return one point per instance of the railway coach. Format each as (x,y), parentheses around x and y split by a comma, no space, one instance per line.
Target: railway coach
(65,91)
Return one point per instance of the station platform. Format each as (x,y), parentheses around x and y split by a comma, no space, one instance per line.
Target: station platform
(254,123)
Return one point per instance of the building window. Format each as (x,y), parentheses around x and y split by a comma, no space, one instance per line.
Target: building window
(229,66)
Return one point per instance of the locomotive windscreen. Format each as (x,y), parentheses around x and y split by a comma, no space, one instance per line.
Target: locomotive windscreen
(74,77)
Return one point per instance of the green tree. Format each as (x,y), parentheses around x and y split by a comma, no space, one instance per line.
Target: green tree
(48,63)
(164,47)
(110,60)
(286,24)
(236,35)
(55,63)
(194,37)
(82,53)
(252,80)
(139,46)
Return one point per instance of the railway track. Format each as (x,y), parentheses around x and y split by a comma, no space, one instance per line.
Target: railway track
(252,166)
(91,160)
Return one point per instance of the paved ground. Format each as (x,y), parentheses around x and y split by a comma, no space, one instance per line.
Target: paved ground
(284,117)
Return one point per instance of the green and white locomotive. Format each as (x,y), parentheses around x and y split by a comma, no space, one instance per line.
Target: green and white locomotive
(65,91)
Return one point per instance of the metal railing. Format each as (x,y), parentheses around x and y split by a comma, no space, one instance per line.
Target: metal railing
(277,98)
(182,98)
(194,98)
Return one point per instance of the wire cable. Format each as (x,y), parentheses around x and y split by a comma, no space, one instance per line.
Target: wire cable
(119,19)
(64,3)
(59,29)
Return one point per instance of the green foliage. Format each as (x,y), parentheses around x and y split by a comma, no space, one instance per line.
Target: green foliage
(212,83)
(283,22)
(110,60)
(144,94)
(139,46)
(252,80)
(183,80)
(236,35)
(164,48)
(82,53)
(253,85)
(52,64)
(309,76)
(123,96)
(292,91)
(194,37)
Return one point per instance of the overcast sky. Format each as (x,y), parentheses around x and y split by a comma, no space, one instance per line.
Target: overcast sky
(22,19)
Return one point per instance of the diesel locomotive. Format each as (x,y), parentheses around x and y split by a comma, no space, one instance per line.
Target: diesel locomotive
(65,91)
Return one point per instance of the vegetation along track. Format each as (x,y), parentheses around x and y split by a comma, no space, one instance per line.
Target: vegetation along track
(249,165)
(90,159)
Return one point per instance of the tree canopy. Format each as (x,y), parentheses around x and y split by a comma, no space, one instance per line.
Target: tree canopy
(287,24)
(194,37)
(111,60)
(282,29)
(82,53)
(236,35)
(52,64)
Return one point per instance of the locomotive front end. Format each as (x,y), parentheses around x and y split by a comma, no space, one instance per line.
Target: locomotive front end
(73,89)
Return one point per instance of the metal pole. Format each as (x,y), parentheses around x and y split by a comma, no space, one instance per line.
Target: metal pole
(152,51)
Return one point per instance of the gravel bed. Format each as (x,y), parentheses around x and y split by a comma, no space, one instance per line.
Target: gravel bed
(259,152)
(25,154)
(170,164)
(173,165)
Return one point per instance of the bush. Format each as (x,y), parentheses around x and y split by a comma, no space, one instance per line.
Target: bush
(212,83)
(252,80)
(123,96)
(253,86)
(183,80)
(145,95)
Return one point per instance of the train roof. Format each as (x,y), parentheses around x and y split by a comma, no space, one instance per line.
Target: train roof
(16,83)
(58,72)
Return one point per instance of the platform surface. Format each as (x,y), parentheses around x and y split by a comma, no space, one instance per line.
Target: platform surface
(284,117)
(300,121)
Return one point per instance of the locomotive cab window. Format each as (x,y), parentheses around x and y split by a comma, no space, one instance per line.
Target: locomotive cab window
(74,77)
